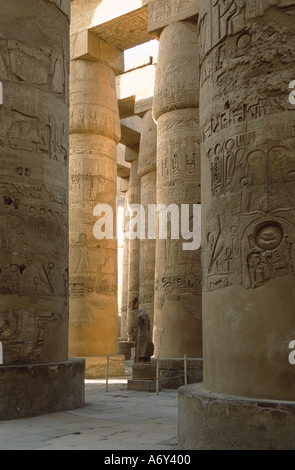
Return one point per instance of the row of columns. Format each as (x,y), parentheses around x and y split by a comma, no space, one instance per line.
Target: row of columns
(247,151)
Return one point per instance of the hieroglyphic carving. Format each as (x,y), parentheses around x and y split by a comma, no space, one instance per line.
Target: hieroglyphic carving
(255,184)
(162,13)
(33,186)
(181,283)
(248,146)
(23,333)
(220,19)
(126,32)
(247,112)
(44,69)
(94,133)
(177,75)
(175,108)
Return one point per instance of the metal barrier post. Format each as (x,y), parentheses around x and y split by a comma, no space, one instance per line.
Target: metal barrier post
(107,378)
(185,370)
(157,376)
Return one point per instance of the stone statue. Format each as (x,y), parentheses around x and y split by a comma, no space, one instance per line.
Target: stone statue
(144,348)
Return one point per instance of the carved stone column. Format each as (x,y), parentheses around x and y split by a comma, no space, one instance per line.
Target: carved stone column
(133,277)
(147,250)
(177,317)
(35,375)
(94,135)
(125,276)
(248,193)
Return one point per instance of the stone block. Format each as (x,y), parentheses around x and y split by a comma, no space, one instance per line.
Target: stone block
(135,90)
(131,155)
(89,46)
(171,372)
(96,367)
(31,390)
(122,23)
(142,385)
(130,131)
(125,348)
(143,377)
(144,371)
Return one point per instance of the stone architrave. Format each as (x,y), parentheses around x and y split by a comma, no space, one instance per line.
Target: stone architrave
(94,135)
(34,211)
(177,316)
(248,229)
(134,242)
(147,172)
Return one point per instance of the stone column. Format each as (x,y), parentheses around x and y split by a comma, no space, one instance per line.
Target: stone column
(94,135)
(125,277)
(147,172)
(35,376)
(248,191)
(133,276)
(177,320)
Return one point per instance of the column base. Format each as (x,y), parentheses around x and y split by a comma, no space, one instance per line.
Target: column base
(32,390)
(96,367)
(171,372)
(212,421)
(143,377)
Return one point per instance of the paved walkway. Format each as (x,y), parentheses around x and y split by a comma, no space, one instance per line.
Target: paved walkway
(119,419)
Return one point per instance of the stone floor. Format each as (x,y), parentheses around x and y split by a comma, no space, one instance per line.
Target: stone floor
(117,419)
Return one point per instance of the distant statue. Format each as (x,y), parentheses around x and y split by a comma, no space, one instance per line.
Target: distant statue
(144,348)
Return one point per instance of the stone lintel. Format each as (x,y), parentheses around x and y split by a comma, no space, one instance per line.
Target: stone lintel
(164,12)
(86,45)
(212,421)
(142,106)
(131,131)
(121,23)
(32,390)
(96,367)
(123,186)
(131,154)
(123,173)
(123,167)
(135,91)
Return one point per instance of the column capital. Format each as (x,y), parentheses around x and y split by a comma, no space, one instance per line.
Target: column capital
(86,45)
(164,12)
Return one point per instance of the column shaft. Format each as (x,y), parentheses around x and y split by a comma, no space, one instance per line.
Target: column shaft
(133,277)
(248,190)
(177,321)
(34,185)
(147,250)
(94,134)
(36,376)
(125,275)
